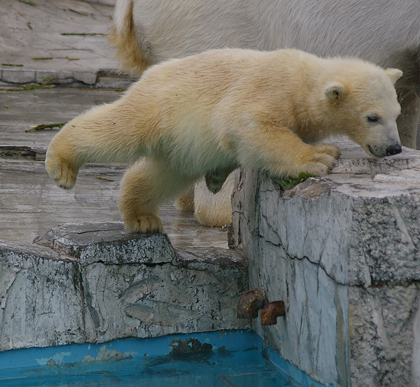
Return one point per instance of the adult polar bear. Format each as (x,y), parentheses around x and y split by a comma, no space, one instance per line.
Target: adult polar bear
(147,32)
(226,108)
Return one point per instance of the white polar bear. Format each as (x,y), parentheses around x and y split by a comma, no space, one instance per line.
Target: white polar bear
(192,117)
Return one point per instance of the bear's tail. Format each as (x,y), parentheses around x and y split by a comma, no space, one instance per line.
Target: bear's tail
(132,57)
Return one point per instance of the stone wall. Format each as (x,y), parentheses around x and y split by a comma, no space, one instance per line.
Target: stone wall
(343,253)
(95,282)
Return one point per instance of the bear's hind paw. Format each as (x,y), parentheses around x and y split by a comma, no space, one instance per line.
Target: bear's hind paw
(144,224)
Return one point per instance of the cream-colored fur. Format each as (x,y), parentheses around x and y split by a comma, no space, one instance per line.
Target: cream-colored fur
(213,210)
(187,117)
(147,32)
(131,52)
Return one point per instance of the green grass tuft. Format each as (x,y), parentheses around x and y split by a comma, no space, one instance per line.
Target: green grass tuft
(290,182)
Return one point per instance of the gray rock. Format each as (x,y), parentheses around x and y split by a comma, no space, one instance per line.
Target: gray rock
(17,76)
(343,253)
(41,298)
(108,243)
(95,283)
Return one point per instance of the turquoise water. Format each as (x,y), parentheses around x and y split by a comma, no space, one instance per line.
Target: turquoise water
(231,358)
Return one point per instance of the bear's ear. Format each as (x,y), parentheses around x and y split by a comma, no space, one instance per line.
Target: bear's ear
(335,91)
(394,74)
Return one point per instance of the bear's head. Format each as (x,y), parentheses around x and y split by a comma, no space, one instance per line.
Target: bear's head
(364,105)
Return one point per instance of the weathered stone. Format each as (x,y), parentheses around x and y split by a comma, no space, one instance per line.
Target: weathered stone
(343,252)
(96,282)
(17,76)
(108,243)
(87,77)
(41,298)
(382,333)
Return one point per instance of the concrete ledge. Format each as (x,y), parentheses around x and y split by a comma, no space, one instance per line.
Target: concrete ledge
(23,152)
(99,79)
(94,283)
(343,252)
(18,76)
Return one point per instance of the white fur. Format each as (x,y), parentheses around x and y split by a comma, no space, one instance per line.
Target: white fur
(385,33)
(121,11)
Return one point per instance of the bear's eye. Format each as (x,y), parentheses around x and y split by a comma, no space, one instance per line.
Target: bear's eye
(373,118)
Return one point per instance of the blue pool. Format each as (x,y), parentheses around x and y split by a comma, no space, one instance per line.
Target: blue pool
(227,358)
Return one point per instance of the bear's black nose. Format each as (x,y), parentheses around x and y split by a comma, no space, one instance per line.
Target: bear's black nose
(393,149)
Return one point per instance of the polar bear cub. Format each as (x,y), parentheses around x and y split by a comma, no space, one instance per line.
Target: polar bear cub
(215,111)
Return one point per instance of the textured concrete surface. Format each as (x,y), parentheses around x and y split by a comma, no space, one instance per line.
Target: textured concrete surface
(20,110)
(95,283)
(343,252)
(31,204)
(64,39)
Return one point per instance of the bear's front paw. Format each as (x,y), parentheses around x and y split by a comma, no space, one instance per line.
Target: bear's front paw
(144,224)
(61,171)
(323,159)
